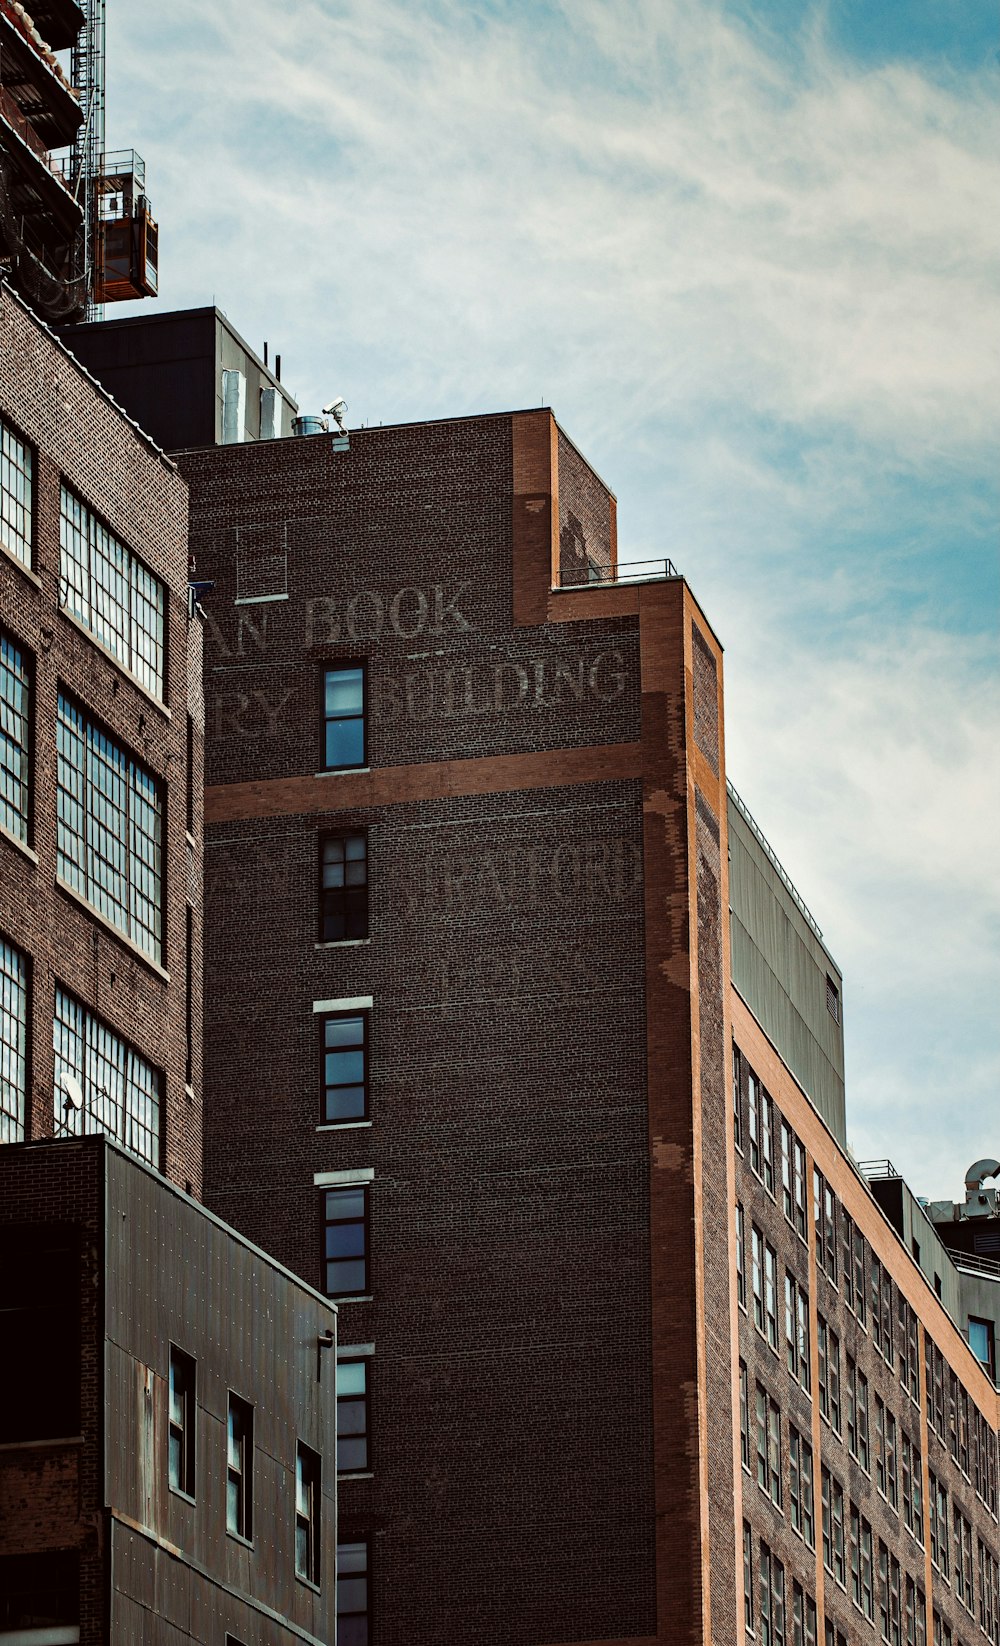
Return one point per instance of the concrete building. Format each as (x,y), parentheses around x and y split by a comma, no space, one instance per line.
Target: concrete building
(523,1046)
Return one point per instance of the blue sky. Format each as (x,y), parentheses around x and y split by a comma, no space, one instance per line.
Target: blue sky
(749,254)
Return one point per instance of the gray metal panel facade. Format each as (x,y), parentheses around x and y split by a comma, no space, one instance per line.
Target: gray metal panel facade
(780,968)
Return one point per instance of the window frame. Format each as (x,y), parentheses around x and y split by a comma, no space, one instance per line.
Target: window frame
(15,1040)
(344,666)
(323,892)
(308,1519)
(96,1040)
(362,1401)
(20,664)
(362,1185)
(151,678)
(345,1014)
(184,1480)
(365,1542)
(8,431)
(241,1472)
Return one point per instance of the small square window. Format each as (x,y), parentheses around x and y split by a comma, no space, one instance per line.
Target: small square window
(345,1067)
(352,1416)
(239,1469)
(345,1246)
(307,1513)
(344,698)
(182,1423)
(343,887)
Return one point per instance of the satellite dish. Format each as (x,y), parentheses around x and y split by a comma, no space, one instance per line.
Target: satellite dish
(74,1091)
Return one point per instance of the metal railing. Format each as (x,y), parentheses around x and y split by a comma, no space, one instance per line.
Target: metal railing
(774,860)
(878,1168)
(972,1260)
(630,571)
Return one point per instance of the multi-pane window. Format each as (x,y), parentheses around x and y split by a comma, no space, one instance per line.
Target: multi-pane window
(345,1067)
(859,1276)
(867,1570)
(109,842)
(847,1256)
(352,1416)
(767,1140)
(854,1550)
(876,1302)
(799,1212)
(753,1111)
(744,1418)
(112,592)
(345,1246)
(741,1257)
(748,1607)
(13,1042)
(889,1595)
(181,1425)
(833,1360)
(15,723)
(914,1614)
(16,478)
(101,1084)
(830,1231)
(343,887)
(910,1463)
(352,1593)
(800,1476)
(344,740)
(862,1410)
(797,1331)
(891,1461)
(989,1598)
(239,1468)
(307,1513)
(823,1363)
(772,1599)
(737,1101)
(768,1445)
(937,1512)
(963,1560)
(834,1558)
(757,1275)
(771,1295)
(786,1169)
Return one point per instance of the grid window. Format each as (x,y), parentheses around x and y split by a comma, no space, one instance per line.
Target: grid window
(352,1594)
(344,741)
(16,478)
(112,592)
(239,1469)
(120,1091)
(181,1432)
(352,1416)
(307,1513)
(345,1067)
(345,1246)
(109,844)
(343,887)
(741,1258)
(13,1042)
(15,702)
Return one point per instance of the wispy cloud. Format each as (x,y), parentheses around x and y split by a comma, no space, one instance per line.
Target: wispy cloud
(757,279)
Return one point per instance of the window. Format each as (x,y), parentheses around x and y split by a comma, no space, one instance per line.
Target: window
(40,1287)
(343,887)
(833,1359)
(345,1226)
(40,1596)
(800,1468)
(13,1042)
(181,1441)
(797,1331)
(737,1104)
(942,1631)
(786,1169)
(767,1140)
(352,1594)
(889,1595)
(832,999)
(15,723)
(862,1408)
(982,1344)
(859,1276)
(823,1362)
(937,1507)
(763,1477)
(345,1067)
(799,1187)
(891,1461)
(772,1599)
(989,1598)
(854,1544)
(774,1451)
(748,1576)
(768,1445)
(344,742)
(757,1275)
(110,829)
(744,1418)
(753,1106)
(771,1295)
(913,1514)
(117,597)
(803,1617)
(963,1561)
(830,1231)
(847,1256)
(307,1514)
(239,1469)
(352,1416)
(741,1257)
(914,1615)
(16,476)
(120,1091)
(867,1571)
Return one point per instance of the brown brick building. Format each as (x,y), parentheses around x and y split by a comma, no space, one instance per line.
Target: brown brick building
(490,949)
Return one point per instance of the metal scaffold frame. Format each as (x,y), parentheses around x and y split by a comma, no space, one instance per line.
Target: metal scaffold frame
(87,75)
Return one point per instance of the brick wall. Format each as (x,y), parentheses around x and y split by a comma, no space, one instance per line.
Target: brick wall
(79,436)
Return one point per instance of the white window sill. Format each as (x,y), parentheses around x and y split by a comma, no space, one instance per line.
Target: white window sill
(343,1125)
(356,1474)
(112,929)
(344,943)
(258,599)
(16,560)
(343,771)
(22,845)
(116,662)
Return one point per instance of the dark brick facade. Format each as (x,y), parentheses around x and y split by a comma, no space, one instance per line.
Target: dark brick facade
(79,436)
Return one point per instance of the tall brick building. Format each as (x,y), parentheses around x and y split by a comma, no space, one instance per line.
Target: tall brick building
(167,1391)
(521,1044)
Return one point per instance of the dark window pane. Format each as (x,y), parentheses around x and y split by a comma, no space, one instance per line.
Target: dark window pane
(345,1240)
(346,1103)
(345,1068)
(352,1453)
(345,1277)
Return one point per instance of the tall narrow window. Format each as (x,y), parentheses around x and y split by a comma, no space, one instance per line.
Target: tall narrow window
(345,1067)
(13,1042)
(189,994)
(737,1103)
(307,1514)
(181,1441)
(343,887)
(344,740)
(118,598)
(352,1594)
(109,838)
(15,724)
(16,477)
(101,1084)
(352,1416)
(239,1469)
(741,1257)
(345,1221)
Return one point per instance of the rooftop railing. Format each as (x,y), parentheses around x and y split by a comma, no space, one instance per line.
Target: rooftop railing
(632,571)
(773,859)
(878,1168)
